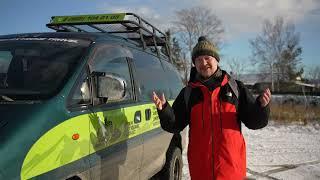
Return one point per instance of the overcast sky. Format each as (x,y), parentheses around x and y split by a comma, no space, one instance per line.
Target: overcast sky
(242,19)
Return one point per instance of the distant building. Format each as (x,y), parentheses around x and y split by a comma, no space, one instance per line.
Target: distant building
(257,82)
(252,79)
(316,82)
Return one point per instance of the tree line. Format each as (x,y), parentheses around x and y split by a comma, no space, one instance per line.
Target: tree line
(275,51)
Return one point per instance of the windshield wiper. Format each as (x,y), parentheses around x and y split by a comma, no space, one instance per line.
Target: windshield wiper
(6,98)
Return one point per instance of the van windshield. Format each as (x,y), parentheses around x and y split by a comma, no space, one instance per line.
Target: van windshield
(35,68)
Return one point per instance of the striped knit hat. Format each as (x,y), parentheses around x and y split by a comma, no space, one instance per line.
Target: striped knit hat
(204,47)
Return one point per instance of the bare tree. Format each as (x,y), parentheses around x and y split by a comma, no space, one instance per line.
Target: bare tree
(313,73)
(192,23)
(184,68)
(237,67)
(180,59)
(178,56)
(276,50)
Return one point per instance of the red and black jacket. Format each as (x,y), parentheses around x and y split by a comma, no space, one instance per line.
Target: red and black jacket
(216,147)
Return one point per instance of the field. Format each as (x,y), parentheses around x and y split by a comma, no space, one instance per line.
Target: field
(290,108)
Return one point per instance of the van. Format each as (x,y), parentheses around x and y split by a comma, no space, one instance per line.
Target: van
(76,103)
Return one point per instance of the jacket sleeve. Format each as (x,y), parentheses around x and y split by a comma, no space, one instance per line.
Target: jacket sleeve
(174,119)
(251,113)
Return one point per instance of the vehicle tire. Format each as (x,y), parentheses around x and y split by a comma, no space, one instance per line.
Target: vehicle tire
(172,169)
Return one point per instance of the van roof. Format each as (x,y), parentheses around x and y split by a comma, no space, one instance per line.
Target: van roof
(92,37)
(84,36)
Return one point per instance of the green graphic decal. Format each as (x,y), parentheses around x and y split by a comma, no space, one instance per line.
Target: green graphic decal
(95,18)
(80,136)
(111,127)
(57,147)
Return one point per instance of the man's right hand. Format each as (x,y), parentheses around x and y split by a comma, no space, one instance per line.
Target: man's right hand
(159,102)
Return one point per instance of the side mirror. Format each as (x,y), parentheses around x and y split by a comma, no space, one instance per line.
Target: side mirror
(110,87)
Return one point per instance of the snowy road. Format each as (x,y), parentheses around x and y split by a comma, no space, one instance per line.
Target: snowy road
(281,152)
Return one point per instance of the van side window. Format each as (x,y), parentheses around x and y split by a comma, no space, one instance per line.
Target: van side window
(81,94)
(174,80)
(113,60)
(5,59)
(150,75)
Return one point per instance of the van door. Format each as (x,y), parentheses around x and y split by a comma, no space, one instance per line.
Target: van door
(151,77)
(116,149)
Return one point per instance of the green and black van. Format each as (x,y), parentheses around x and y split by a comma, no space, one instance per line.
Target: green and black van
(76,103)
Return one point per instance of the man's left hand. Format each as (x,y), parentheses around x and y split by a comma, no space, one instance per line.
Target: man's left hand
(265,97)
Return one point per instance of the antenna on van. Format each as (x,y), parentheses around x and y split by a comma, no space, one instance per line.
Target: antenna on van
(127,25)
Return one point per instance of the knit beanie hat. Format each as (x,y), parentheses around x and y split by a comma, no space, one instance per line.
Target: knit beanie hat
(204,47)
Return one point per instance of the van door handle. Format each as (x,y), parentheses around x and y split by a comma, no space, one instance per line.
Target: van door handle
(106,122)
(148,114)
(137,117)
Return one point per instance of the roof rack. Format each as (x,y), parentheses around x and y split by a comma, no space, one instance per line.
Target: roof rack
(128,25)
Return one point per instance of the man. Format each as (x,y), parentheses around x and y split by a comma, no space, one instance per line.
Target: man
(214,109)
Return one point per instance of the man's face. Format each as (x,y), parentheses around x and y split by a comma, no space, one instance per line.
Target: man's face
(206,65)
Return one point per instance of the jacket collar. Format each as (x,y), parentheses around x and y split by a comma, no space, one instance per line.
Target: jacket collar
(219,78)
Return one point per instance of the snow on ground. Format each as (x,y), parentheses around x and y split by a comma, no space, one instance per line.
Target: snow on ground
(290,151)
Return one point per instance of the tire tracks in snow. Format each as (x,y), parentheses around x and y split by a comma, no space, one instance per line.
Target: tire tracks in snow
(283,167)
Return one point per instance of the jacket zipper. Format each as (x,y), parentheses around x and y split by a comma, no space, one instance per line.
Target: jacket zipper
(202,116)
(220,102)
(212,135)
